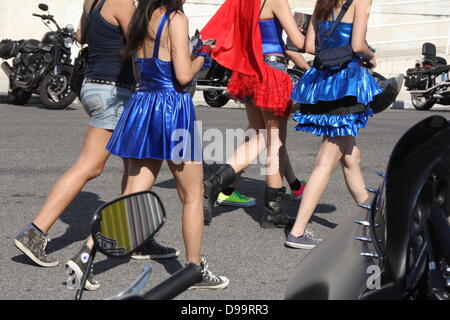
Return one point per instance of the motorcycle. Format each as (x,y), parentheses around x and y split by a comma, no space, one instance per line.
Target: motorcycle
(397,244)
(41,67)
(123,226)
(429,82)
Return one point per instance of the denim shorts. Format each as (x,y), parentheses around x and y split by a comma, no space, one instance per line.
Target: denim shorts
(104,104)
(277,65)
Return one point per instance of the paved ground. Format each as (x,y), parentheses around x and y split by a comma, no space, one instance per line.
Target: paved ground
(38,145)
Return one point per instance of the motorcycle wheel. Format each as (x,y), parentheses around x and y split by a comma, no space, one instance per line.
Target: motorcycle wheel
(435,194)
(215,98)
(18,97)
(55,92)
(421,103)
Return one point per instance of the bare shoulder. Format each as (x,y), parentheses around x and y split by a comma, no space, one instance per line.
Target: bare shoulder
(123,3)
(362,3)
(178,16)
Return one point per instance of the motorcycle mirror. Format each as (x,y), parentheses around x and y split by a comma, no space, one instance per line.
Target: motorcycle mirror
(43,6)
(123,225)
(70,28)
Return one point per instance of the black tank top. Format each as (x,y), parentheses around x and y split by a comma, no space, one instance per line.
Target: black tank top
(105,43)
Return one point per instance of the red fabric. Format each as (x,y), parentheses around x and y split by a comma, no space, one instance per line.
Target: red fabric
(271,94)
(235,27)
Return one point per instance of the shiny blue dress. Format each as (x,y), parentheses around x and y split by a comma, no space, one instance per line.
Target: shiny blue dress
(159,120)
(341,92)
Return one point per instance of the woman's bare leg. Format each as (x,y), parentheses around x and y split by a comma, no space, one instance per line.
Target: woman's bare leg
(327,159)
(275,153)
(89,165)
(189,178)
(249,151)
(142,174)
(352,172)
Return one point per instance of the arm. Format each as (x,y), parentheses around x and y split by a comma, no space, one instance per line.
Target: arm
(86,8)
(123,12)
(282,11)
(360,22)
(185,67)
(298,59)
(310,43)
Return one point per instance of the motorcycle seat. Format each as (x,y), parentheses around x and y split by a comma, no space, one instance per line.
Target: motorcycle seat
(30,46)
(440,69)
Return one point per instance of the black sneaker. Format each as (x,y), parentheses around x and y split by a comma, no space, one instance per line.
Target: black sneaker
(32,243)
(210,280)
(153,250)
(75,268)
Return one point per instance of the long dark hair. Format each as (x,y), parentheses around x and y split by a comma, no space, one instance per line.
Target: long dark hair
(324,8)
(138,29)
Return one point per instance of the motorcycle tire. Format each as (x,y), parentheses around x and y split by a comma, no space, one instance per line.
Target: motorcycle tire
(215,98)
(19,97)
(423,105)
(62,98)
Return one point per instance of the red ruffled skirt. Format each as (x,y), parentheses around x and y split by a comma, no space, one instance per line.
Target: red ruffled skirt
(272,94)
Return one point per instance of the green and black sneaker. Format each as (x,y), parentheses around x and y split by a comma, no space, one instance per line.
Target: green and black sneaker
(235,200)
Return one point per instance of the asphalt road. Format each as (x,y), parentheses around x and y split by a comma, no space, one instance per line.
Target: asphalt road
(38,145)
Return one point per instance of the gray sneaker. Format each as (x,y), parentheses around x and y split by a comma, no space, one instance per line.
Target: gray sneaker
(75,268)
(153,250)
(210,280)
(32,243)
(307,241)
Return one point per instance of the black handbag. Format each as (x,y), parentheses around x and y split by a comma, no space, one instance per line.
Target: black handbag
(334,58)
(81,62)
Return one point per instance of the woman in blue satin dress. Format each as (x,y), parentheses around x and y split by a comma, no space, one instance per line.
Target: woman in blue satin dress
(158,123)
(334,105)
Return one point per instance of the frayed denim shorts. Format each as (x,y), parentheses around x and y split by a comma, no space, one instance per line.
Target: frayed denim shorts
(104,104)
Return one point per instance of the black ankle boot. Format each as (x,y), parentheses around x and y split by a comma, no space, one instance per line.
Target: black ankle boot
(213,186)
(274,216)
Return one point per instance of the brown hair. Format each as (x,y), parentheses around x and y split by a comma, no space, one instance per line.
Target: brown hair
(324,8)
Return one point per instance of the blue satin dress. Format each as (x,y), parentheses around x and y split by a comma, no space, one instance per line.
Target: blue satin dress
(326,85)
(159,120)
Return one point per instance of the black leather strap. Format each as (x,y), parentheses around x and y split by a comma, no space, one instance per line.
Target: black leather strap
(84,35)
(341,15)
(260,11)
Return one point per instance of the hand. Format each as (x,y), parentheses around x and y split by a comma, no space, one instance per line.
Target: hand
(370,64)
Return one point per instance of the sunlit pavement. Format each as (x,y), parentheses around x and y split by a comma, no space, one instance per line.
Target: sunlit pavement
(38,145)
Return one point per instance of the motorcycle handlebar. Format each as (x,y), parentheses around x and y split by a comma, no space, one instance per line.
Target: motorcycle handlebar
(176,284)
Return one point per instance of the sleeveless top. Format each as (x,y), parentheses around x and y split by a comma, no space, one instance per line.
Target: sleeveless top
(271,33)
(105,43)
(156,74)
(353,80)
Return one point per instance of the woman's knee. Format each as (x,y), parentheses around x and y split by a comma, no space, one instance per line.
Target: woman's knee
(89,171)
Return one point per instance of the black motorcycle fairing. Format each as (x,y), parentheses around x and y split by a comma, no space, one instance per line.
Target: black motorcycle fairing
(335,269)
(413,139)
(402,192)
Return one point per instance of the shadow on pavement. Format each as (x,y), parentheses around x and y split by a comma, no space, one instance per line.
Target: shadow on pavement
(78,217)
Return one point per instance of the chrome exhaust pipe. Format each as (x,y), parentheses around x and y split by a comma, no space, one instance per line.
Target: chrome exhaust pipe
(7,69)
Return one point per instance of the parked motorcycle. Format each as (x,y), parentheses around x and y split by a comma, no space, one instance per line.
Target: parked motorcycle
(397,244)
(41,67)
(429,82)
(123,226)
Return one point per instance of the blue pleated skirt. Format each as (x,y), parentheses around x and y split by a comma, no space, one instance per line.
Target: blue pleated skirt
(158,124)
(333,85)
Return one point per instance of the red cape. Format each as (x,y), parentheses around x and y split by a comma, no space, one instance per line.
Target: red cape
(235,27)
